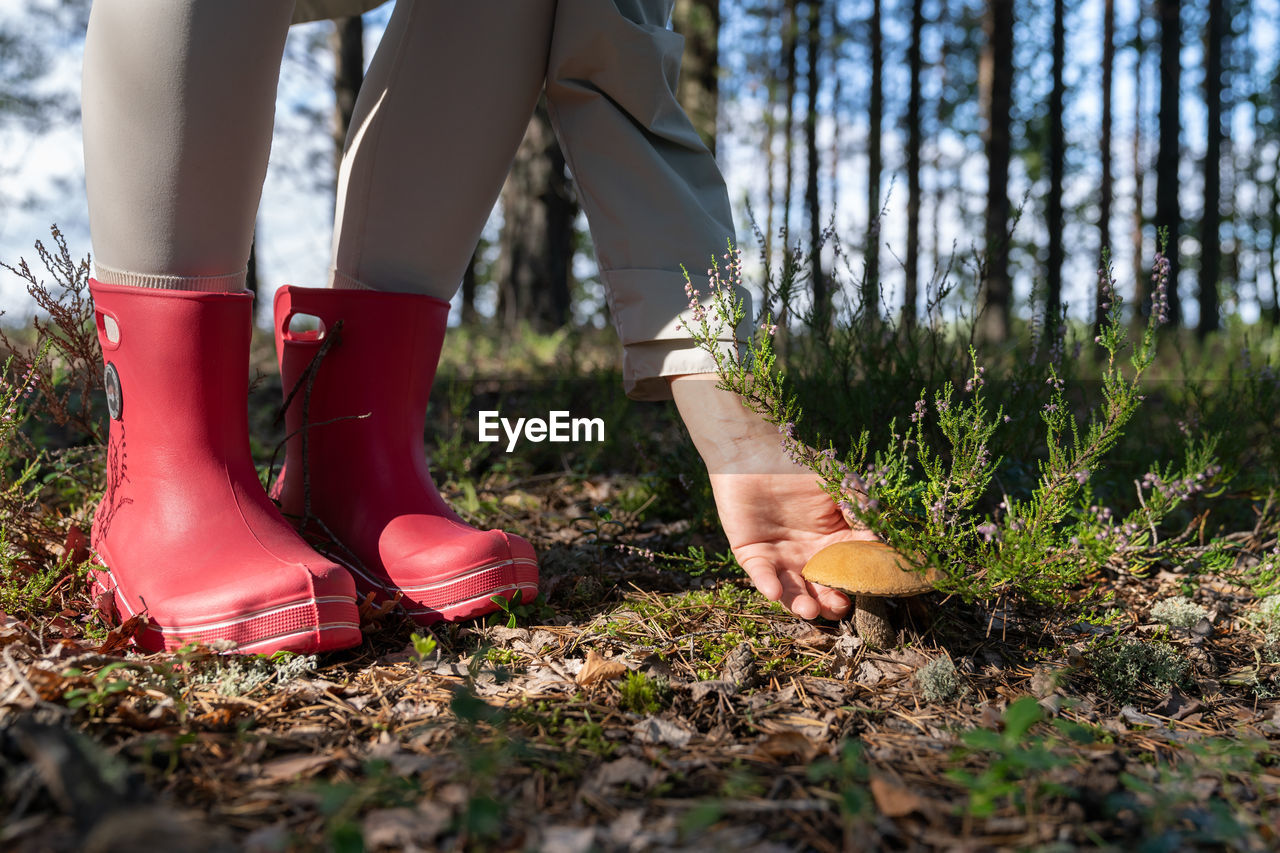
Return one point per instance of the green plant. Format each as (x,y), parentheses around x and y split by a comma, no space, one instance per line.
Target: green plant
(511,612)
(925,489)
(1017,765)
(640,694)
(423,647)
(103,685)
(846,775)
(1123,667)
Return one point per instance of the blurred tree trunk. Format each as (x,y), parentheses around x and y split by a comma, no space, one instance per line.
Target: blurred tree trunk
(821,297)
(790,44)
(1057,164)
(996,84)
(251,274)
(1107,190)
(1273,242)
(914,134)
(770,134)
(470,282)
(875,167)
(536,243)
(940,174)
(699,89)
(1141,283)
(838,35)
(1168,212)
(348,73)
(1211,221)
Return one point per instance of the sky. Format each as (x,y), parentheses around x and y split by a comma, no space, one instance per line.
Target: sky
(295,218)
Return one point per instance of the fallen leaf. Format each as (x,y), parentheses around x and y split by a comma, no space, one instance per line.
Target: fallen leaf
(1177,706)
(894,799)
(787,745)
(403,828)
(627,770)
(1133,716)
(122,635)
(294,766)
(75,548)
(598,669)
(700,689)
(568,839)
(659,731)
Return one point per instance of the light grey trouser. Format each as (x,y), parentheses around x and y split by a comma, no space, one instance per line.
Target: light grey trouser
(179,99)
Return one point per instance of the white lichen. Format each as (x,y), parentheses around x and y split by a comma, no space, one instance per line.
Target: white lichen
(1178,613)
(938,680)
(237,675)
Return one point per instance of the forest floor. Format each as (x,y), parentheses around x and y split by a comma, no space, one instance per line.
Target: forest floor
(648,700)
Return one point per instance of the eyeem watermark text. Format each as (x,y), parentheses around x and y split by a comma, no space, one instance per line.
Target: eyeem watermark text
(558,427)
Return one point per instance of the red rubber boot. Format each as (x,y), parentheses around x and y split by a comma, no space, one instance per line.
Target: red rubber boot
(185,533)
(367,474)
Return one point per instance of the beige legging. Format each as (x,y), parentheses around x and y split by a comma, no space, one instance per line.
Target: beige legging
(178,106)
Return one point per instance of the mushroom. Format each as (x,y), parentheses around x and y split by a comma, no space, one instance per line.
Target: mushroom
(870,572)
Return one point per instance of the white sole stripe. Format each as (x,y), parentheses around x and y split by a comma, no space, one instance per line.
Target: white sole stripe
(226,623)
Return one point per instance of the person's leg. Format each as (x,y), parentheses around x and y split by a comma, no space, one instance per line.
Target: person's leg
(178,104)
(653,194)
(439,117)
(656,201)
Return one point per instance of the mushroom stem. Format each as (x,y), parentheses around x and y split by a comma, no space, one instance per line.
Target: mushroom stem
(871,619)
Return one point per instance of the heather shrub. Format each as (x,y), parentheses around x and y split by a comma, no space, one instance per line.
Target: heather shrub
(995,483)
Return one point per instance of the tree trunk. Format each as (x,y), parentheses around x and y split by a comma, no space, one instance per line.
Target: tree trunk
(940,174)
(1168,212)
(1210,243)
(910,292)
(536,242)
(770,132)
(875,167)
(1273,241)
(996,83)
(348,74)
(470,283)
(1141,283)
(821,297)
(699,88)
(790,44)
(251,283)
(1057,165)
(1107,190)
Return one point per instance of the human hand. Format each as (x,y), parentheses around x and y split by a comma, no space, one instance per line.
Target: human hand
(774,511)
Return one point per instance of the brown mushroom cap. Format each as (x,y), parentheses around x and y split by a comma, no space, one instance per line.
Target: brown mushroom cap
(868,568)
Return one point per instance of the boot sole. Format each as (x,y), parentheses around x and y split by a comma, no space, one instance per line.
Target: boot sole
(306,625)
(465,596)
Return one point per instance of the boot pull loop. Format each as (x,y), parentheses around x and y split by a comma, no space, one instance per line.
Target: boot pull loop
(108,329)
(299,327)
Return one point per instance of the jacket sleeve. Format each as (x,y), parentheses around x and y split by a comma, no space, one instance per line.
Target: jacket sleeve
(654,197)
